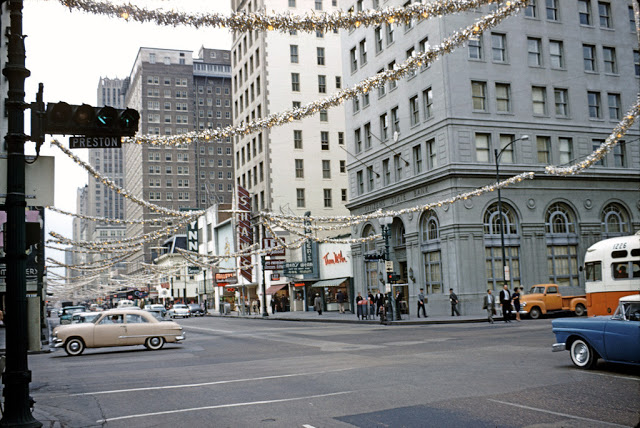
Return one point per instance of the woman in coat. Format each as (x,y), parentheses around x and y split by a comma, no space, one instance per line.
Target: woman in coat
(317,304)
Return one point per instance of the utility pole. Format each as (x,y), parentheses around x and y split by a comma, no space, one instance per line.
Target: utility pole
(16,378)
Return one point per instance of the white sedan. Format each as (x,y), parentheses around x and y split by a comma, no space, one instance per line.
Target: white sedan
(179,310)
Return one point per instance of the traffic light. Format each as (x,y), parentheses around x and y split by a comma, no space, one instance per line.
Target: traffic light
(66,119)
(392,277)
(373,256)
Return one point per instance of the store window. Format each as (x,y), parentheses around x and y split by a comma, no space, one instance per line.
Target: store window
(494,267)
(562,245)
(370,267)
(431,253)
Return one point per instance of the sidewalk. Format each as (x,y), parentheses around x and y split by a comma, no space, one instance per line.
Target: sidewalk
(348,317)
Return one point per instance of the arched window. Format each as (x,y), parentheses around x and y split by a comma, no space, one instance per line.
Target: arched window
(369,245)
(494,265)
(562,245)
(615,221)
(399,233)
(430,246)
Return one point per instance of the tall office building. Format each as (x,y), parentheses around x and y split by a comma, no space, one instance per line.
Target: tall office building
(561,73)
(165,88)
(301,166)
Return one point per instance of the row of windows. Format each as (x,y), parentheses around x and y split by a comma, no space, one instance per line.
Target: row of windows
(178,118)
(167,131)
(245,153)
(298,142)
(227,115)
(168,196)
(167,93)
(251,177)
(600,16)
(327,196)
(180,170)
(155,105)
(219,90)
(212,150)
(325,164)
(168,183)
(322,83)
(168,156)
(212,175)
(155,80)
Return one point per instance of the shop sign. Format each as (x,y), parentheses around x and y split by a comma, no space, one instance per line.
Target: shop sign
(274,264)
(333,258)
(298,268)
(231,289)
(227,277)
(268,243)
(275,277)
(298,284)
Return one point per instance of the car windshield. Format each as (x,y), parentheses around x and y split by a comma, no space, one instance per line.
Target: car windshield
(627,311)
(157,315)
(536,290)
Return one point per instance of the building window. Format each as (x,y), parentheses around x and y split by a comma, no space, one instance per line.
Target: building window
(386,173)
(604,12)
(371,268)
(299,168)
(430,245)
(609,58)
(384,127)
(414,110)
(397,166)
(483,144)
(393,83)
(632,20)
(499,47)
(320,55)
(355,104)
(432,155)
(370,182)
(300,202)
(328,203)
(417,159)
(552,10)
(324,115)
(389,28)
(593,100)
(531,9)
(584,12)
(507,154)
(322,84)
(614,106)
(318,4)
(589,57)
(357,139)
(378,39)
(503,97)
(475,48)
(295,82)
(363,52)
(479,96)
(534,52)
(382,88)
(615,221)
(539,100)
(493,252)
(565,149)
(619,155)
(395,119)
(341,138)
(562,245)
(354,60)
(561,101)
(543,147)
(636,62)
(297,139)
(367,135)
(324,140)
(326,169)
(343,166)
(360,182)
(556,54)
(427,102)
(343,195)
(293,53)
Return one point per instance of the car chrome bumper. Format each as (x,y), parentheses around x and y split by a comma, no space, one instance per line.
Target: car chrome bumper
(58,343)
(181,337)
(558,347)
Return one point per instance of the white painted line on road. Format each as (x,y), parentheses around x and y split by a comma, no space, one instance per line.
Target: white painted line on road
(308,426)
(221,406)
(197,385)
(208,329)
(564,415)
(610,375)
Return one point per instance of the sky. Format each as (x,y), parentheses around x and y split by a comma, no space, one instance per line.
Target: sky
(68,51)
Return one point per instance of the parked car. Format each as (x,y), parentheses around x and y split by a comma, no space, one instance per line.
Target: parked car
(614,338)
(80,317)
(117,327)
(179,310)
(156,307)
(66,313)
(196,310)
(547,298)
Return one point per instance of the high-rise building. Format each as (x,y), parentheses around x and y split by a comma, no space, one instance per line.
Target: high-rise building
(434,134)
(164,88)
(301,166)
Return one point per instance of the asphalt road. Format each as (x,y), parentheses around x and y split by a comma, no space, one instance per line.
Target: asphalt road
(266,373)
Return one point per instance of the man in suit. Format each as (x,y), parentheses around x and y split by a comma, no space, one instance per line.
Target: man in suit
(505,302)
(489,304)
(379,301)
(421,302)
(453,299)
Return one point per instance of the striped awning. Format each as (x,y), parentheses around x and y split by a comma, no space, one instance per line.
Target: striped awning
(274,288)
(329,282)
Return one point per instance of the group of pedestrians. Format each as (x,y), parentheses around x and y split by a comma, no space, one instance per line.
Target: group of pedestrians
(509,302)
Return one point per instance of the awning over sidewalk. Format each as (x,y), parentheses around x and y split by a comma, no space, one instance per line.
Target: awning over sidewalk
(329,282)
(274,288)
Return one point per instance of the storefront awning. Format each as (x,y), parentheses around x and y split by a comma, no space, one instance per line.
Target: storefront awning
(274,288)
(329,282)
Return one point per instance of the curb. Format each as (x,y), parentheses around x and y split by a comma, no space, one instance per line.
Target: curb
(349,321)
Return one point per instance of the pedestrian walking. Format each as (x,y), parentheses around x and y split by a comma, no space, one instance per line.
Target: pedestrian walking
(489,303)
(359,306)
(421,303)
(340,299)
(515,300)
(379,301)
(453,299)
(258,305)
(505,302)
(399,298)
(317,304)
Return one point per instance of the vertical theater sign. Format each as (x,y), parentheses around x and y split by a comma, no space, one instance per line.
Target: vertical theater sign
(244,232)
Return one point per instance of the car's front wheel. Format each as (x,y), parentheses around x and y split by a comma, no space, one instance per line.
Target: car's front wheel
(154,343)
(74,346)
(582,354)
(535,313)
(580,310)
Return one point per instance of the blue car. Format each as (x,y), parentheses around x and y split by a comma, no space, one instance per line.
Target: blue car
(614,338)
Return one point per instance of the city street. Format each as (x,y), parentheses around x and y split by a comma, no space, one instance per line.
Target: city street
(254,372)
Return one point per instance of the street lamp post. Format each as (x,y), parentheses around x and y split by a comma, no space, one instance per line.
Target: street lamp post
(385,224)
(505,268)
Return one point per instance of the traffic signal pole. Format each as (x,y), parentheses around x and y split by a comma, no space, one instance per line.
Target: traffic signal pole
(16,378)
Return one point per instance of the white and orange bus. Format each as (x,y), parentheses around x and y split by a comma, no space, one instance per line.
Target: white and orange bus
(612,270)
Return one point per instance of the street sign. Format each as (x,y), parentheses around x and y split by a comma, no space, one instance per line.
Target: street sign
(388,265)
(39,181)
(298,268)
(86,142)
(193,269)
(271,243)
(274,264)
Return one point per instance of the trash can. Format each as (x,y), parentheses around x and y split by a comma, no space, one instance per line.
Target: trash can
(227,308)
